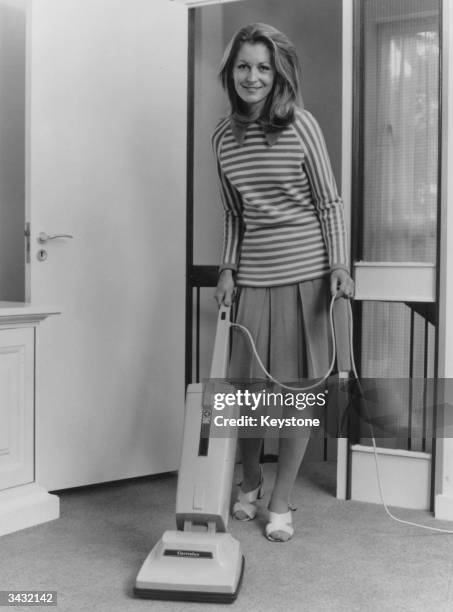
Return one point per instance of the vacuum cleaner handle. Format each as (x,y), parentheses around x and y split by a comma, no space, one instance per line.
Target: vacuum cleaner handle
(221,352)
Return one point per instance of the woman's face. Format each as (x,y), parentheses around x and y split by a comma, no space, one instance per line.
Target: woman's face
(253,75)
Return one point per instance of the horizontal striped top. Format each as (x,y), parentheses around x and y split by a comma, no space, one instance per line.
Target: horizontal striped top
(284,220)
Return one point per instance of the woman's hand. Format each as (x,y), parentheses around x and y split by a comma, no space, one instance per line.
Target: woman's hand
(341,284)
(226,289)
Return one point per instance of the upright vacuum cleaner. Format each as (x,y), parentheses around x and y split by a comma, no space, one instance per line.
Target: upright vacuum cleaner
(199,561)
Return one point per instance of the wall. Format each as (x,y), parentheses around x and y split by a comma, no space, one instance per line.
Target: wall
(12,148)
(210,106)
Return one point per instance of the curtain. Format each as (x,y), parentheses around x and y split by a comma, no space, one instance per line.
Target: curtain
(401,141)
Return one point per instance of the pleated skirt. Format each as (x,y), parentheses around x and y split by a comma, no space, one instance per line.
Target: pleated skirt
(291,329)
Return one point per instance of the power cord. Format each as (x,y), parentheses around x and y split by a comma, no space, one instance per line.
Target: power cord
(278,382)
(324,378)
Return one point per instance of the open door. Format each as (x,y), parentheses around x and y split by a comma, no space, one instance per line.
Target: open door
(106,165)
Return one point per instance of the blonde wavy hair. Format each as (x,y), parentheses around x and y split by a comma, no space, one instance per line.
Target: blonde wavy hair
(285,96)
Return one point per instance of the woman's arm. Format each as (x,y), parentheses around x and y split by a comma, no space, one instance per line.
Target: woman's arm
(232,235)
(232,232)
(232,224)
(327,200)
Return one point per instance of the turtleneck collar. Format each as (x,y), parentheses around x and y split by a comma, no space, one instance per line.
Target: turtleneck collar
(239,124)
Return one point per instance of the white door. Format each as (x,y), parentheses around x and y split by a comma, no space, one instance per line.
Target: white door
(106,163)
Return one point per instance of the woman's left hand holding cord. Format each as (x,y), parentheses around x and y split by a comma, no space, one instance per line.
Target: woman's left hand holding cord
(341,284)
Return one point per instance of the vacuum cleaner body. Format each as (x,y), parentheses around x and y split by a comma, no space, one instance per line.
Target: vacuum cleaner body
(199,561)
(207,465)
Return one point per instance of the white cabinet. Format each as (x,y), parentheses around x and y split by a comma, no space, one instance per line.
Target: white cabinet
(16,407)
(23,502)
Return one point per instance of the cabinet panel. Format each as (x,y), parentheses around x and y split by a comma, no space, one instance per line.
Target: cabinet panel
(16,407)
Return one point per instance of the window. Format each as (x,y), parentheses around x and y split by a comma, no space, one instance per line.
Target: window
(401,136)
(396,200)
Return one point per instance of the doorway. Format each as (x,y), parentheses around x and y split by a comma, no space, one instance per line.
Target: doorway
(315,28)
(386,35)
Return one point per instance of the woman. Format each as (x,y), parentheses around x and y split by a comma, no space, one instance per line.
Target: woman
(284,240)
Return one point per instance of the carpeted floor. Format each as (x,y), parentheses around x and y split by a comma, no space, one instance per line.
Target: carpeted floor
(344,556)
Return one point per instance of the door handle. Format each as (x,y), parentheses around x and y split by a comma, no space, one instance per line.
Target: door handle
(43,237)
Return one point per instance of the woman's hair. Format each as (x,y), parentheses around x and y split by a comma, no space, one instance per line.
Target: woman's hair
(279,108)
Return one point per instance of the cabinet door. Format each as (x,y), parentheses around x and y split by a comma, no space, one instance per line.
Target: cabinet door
(16,407)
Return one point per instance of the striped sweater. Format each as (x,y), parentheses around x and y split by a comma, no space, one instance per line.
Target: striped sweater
(283,216)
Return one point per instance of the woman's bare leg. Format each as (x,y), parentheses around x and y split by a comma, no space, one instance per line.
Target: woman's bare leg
(250,453)
(291,454)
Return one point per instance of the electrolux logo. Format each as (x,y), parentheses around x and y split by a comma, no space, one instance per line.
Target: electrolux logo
(192,554)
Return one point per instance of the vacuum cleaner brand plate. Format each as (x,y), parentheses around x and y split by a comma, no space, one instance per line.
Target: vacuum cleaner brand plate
(194,554)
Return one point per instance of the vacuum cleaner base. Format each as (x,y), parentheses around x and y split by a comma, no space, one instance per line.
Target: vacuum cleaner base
(184,567)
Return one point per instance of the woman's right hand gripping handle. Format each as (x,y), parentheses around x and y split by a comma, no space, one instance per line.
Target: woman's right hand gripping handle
(224,294)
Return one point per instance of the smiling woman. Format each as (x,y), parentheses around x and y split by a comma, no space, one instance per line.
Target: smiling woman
(284,248)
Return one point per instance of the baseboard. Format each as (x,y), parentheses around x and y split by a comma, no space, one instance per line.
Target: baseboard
(443,507)
(405,477)
(26,506)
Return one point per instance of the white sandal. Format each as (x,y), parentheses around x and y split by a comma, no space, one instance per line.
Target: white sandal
(245,502)
(279,522)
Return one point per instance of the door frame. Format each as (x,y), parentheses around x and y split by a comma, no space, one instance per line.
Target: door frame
(443,456)
(206,276)
(443,450)
(348,110)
